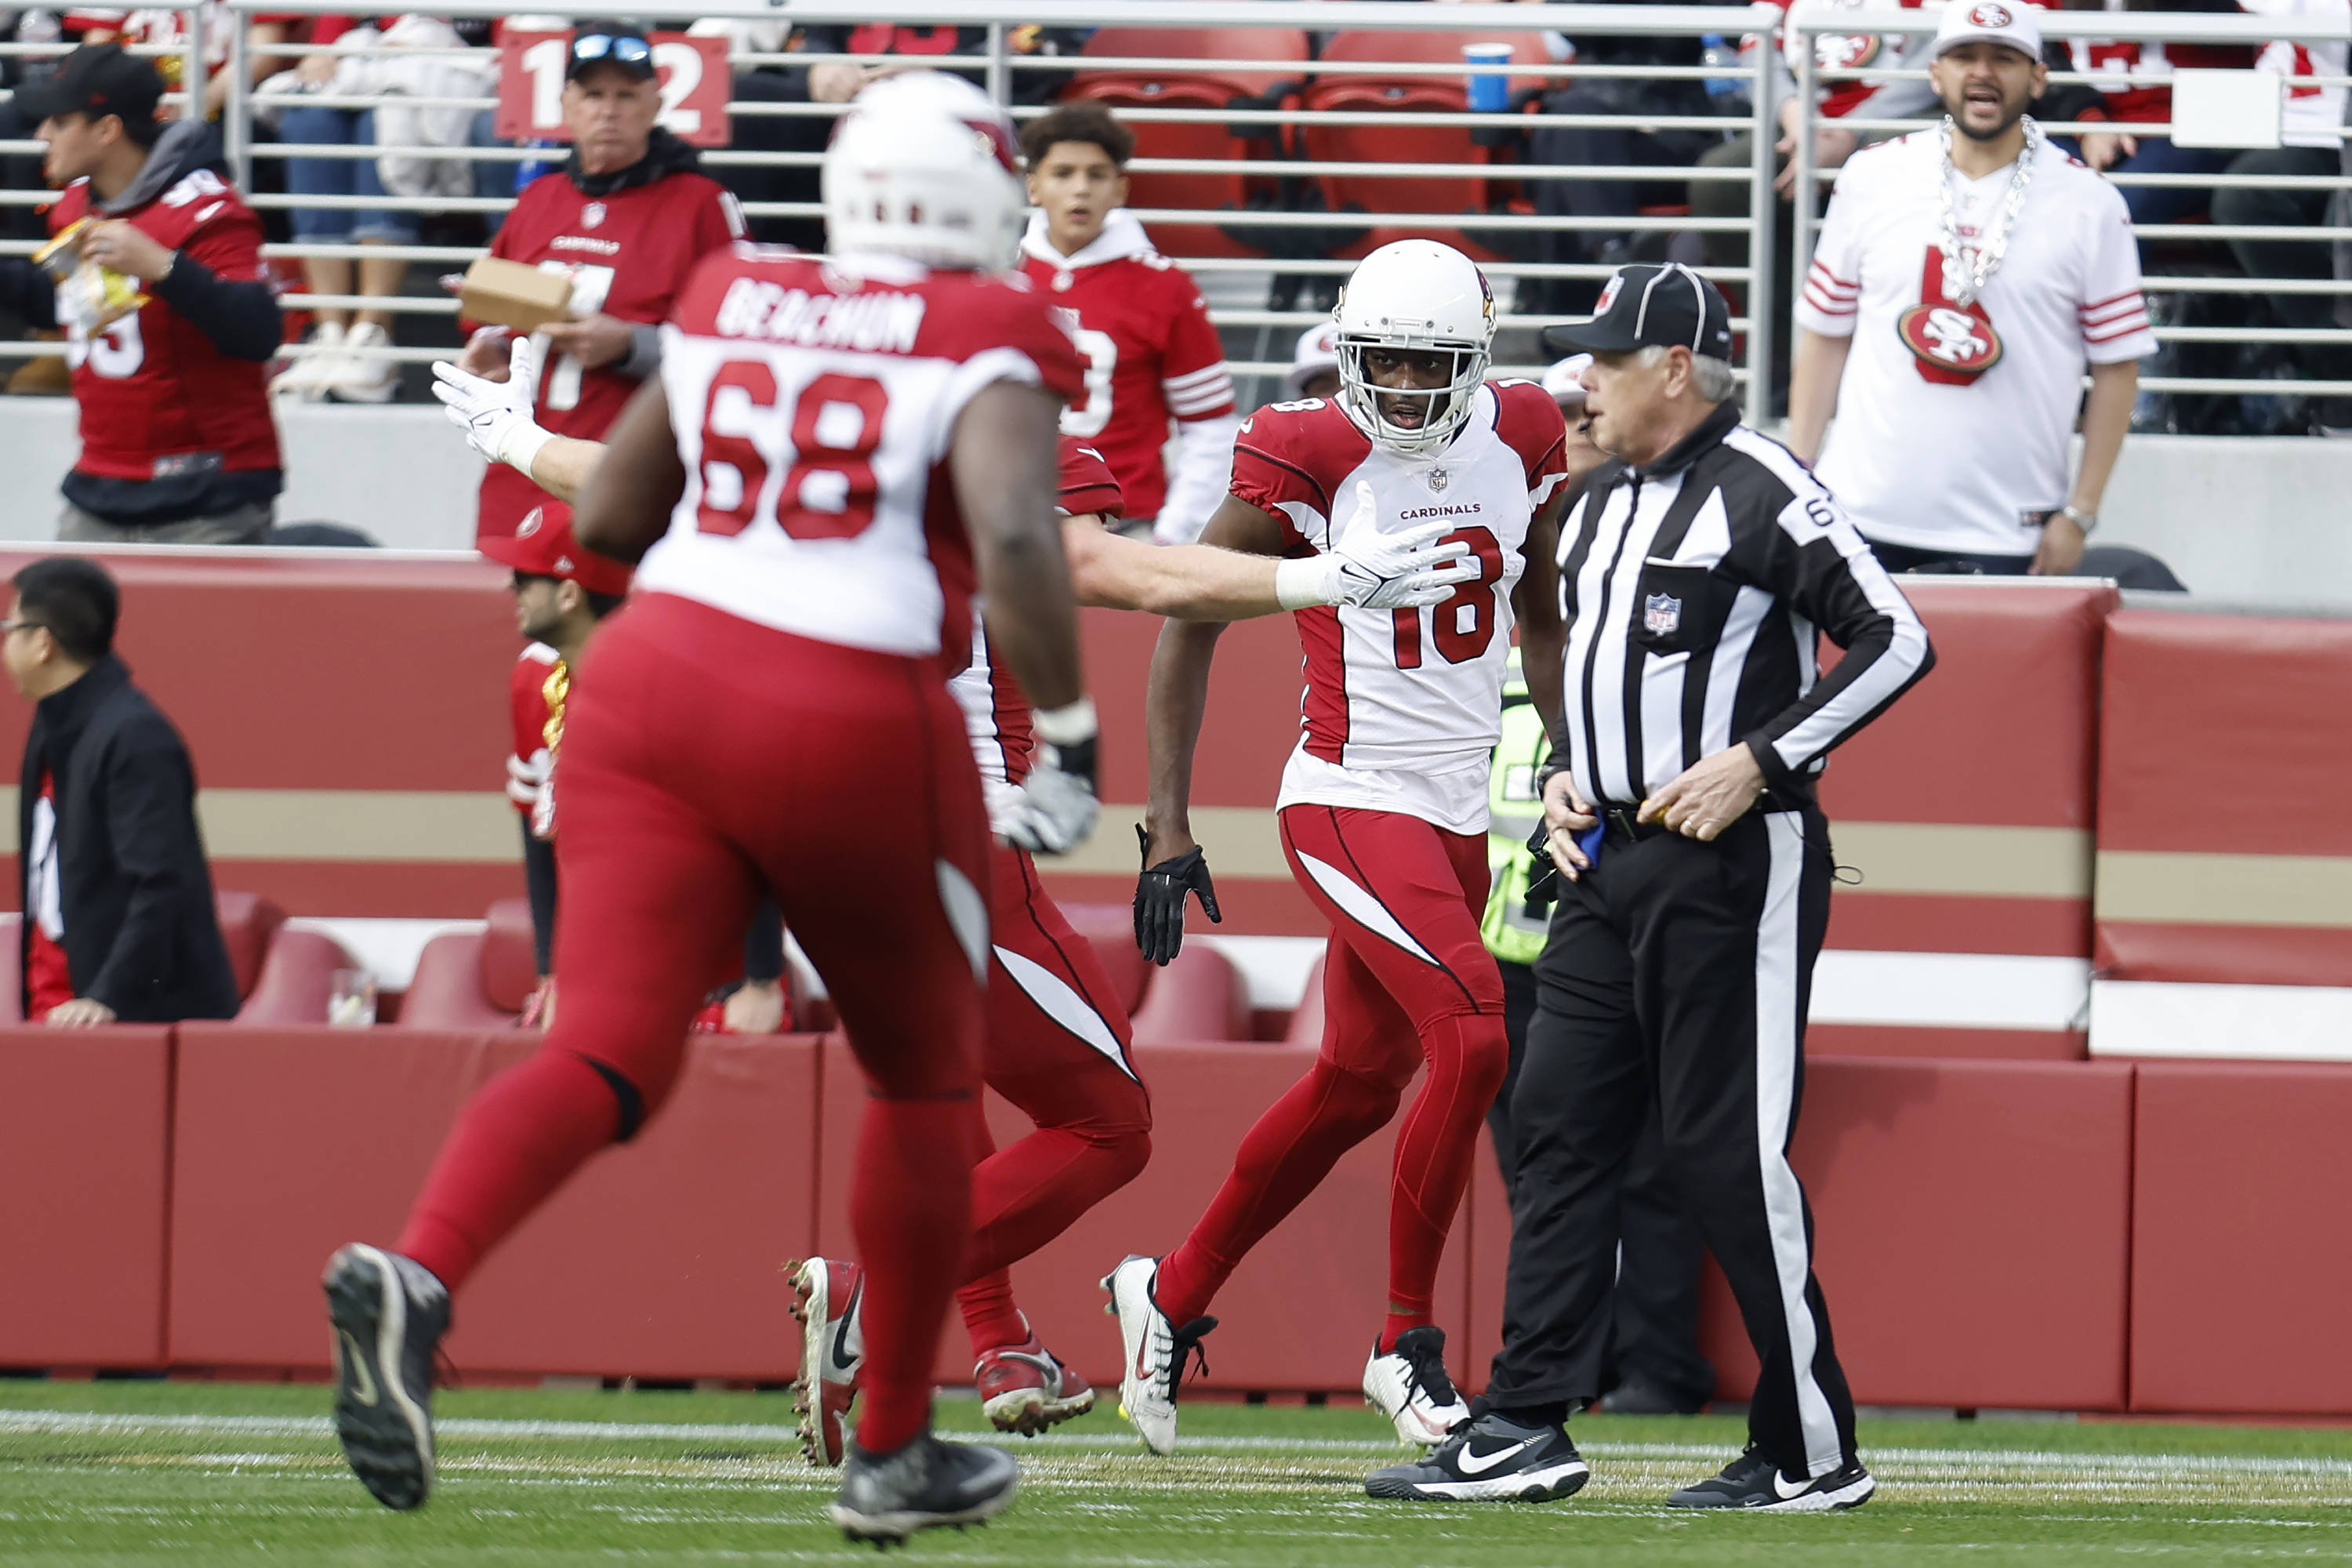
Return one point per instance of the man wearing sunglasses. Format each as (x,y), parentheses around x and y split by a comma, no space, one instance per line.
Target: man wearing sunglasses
(626,218)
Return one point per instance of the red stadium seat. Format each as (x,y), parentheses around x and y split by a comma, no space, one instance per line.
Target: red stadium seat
(1198,997)
(1307,1023)
(1213,87)
(298,979)
(475,980)
(248,923)
(1400,141)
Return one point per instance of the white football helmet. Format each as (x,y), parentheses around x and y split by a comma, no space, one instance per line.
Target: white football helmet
(921,166)
(1421,295)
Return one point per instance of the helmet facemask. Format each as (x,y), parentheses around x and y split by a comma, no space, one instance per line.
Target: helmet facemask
(1447,407)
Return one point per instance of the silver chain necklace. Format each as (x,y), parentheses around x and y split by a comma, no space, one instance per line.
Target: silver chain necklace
(1967,268)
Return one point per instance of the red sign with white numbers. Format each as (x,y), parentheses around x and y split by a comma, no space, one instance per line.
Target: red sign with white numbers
(692,72)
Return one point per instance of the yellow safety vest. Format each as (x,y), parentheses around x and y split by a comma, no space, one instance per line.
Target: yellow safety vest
(1513,809)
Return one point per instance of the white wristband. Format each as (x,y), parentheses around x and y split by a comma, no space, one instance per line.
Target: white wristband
(1067,726)
(1304,583)
(519,446)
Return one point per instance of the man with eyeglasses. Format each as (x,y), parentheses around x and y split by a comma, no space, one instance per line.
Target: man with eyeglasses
(119,923)
(626,219)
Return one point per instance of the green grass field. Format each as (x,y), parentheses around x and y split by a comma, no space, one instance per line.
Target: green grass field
(194,1473)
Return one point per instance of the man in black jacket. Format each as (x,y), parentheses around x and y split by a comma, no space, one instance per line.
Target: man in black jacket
(120,924)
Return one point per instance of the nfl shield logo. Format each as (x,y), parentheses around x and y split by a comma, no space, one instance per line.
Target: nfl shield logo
(1662,615)
(591,215)
(1438,478)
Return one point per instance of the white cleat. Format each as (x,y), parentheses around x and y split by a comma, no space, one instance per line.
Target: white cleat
(1156,1351)
(1411,1386)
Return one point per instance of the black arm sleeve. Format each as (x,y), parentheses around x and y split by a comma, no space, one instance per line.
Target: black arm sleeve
(27,291)
(764,943)
(538,873)
(241,318)
(150,826)
(1814,562)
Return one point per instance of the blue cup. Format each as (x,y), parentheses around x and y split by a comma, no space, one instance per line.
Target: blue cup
(1490,91)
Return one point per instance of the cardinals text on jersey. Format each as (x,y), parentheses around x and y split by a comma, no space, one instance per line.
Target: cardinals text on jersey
(1402,708)
(814,405)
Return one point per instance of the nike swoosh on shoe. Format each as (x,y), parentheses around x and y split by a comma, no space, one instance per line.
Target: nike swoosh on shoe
(1479,1464)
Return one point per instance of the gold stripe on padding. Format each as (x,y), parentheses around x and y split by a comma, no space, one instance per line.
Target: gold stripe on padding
(1966,860)
(2225,889)
(473,827)
(1239,840)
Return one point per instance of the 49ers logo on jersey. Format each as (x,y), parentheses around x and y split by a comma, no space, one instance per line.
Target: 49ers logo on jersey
(1951,338)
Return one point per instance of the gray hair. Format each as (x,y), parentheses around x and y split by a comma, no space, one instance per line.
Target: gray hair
(1711,377)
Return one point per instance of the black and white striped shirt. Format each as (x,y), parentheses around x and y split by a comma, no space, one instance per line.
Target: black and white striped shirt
(1693,590)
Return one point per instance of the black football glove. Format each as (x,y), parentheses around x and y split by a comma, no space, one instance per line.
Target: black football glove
(1159,900)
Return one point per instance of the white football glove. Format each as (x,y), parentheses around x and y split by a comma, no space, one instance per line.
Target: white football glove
(496,415)
(1375,571)
(1053,811)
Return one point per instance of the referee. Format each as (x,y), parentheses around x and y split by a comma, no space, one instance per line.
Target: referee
(1695,571)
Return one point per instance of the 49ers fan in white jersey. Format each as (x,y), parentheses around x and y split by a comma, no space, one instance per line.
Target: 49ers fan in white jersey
(1382,806)
(1152,353)
(838,450)
(1964,278)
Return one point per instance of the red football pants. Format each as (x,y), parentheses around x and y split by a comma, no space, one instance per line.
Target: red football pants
(703,757)
(1406,981)
(1059,1046)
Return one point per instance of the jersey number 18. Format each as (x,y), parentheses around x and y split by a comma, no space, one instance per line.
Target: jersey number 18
(1462,626)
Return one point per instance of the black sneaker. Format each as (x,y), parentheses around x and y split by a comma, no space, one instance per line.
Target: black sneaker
(1637,1395)
(1753,1481)
(1489,1459)
(888,1496)
(388,1312)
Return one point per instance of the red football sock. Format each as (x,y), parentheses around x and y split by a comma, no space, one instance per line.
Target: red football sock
(1284,1157)
(909,1206)
(988,1315)
(1467,1056)
(516,1141)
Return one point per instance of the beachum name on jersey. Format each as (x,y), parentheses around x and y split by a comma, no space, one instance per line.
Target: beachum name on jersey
(880,323)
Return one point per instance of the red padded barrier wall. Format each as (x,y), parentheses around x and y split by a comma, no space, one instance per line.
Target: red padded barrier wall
(1300,1312)
(1972,1224)
(84,1130)
(659,1260)
(2002,734)
(2243,1196)
(2221,833)
(293,673)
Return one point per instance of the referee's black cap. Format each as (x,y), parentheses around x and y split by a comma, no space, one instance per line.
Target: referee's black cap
(98,79)
(1646,305)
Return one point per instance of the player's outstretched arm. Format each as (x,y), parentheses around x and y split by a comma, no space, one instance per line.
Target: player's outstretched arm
(626,504)
(1003,460)
(1212,583)
(500,422)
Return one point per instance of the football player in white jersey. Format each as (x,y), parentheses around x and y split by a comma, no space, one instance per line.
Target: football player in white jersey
(1058,1039)
(838,452)
(1383,804)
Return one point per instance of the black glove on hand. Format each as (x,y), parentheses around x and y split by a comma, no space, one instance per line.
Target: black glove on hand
(1159,900)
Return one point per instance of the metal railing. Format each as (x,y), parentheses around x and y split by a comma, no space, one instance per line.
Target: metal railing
(1006,73)
(1809,20)
(1229,280)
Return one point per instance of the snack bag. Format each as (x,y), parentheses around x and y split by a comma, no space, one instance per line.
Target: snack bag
(90,297)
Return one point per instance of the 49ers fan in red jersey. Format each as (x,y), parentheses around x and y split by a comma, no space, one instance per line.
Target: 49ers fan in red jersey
(1382,806)
(1151,353)
(626,219)
(168,321)
(839,450)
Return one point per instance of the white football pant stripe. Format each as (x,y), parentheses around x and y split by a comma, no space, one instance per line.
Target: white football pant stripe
(1057,1001)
